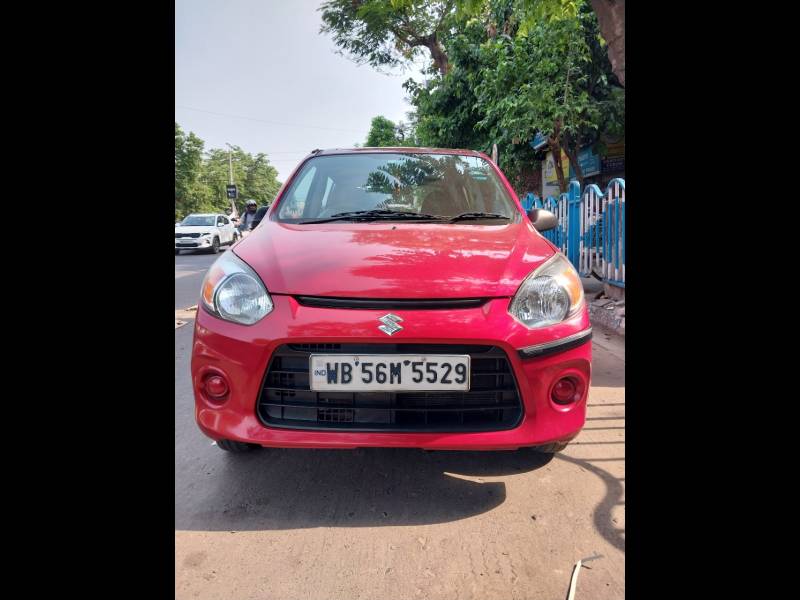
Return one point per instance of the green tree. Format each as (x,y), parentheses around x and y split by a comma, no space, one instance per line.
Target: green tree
(191,194)
(610,17)
(562,88)
(255,177)
(261,179)
(387,33)
(382,133)
(513,68)
(446,115)
(201,178)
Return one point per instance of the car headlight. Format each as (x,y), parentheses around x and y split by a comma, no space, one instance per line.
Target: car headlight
(552,293)
(232,291)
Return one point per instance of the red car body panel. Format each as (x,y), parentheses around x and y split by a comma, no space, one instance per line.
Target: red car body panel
(389,261)
(385,260)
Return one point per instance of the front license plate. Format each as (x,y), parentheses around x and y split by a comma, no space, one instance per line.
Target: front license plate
(388,372)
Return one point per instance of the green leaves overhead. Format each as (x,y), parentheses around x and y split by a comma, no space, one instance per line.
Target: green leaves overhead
(200,177)
(519,67)
(385,33)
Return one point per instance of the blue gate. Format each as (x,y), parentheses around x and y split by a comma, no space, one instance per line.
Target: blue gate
(591,228)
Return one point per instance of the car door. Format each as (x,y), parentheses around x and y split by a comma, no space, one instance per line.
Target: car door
(229,228)
(222,232)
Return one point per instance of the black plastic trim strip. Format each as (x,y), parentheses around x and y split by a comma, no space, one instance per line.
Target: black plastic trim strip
(390,303)
(568,343)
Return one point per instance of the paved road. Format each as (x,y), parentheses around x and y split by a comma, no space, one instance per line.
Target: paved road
(189,270)
(390,523)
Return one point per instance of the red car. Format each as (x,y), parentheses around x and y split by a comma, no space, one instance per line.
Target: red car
(393,297)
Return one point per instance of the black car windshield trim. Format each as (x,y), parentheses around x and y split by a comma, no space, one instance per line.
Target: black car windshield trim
(476,215)
(375,215)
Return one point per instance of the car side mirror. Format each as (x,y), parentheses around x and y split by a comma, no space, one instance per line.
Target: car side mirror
(543,220)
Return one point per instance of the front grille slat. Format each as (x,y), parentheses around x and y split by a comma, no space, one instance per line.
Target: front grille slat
(493,402)
(397,408)
(390,303)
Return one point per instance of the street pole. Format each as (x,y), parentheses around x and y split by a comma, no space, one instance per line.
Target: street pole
(230,165)
(234,212)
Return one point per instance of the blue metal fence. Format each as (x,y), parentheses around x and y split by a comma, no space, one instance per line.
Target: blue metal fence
(591,228)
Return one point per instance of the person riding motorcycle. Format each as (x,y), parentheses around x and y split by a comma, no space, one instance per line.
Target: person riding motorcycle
(247,218)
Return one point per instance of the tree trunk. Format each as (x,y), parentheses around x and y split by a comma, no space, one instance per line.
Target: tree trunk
(571,150)
(555,148)
(611,19)
(438,55)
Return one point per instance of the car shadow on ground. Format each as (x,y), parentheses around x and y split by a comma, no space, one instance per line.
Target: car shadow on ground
(274,489)
(602,515)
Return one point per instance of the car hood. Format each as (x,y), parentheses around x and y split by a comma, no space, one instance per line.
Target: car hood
(194,229)
(394,260)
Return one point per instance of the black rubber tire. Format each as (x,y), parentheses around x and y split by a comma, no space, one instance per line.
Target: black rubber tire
(234,446)
(215,246)
(550,448)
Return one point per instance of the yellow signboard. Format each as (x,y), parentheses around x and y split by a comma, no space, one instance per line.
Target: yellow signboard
(550,185)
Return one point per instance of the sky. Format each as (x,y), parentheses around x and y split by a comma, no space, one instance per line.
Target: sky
(258,74)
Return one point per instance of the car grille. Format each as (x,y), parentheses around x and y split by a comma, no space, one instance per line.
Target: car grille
(491,404)
(391,304)
(183,235)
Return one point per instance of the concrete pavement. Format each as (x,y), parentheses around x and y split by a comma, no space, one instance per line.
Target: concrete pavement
(390,523)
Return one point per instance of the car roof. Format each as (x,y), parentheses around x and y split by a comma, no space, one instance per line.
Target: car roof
(397,150)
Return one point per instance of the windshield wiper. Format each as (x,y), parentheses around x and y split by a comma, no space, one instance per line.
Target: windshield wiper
(375,215)
(477,215)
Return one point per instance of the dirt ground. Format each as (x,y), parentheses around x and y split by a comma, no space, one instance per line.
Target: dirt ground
(394,524)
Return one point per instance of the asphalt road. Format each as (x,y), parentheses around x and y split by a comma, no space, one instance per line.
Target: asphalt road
(190,266)
(391,523)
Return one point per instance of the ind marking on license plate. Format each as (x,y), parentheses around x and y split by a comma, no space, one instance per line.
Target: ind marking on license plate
(389,372)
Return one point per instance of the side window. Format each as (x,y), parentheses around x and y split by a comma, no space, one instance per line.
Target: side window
(292,207)
(225,220)
(220,221)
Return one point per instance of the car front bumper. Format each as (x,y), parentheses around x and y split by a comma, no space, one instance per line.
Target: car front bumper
(192,243)
(242,354)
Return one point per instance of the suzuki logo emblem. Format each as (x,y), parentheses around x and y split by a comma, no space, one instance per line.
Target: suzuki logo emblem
(390,324)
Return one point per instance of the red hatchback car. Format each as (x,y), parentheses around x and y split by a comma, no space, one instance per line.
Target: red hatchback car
(393,297)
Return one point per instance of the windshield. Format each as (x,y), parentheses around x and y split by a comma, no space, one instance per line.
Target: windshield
(444,185)
(199,220)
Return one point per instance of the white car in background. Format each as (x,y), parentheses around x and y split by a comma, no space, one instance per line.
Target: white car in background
(205,231)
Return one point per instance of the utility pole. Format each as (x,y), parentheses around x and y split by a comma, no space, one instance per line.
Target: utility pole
(230,163)
(234,212)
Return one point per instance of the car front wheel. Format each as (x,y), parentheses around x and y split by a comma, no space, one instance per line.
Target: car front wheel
(215,246)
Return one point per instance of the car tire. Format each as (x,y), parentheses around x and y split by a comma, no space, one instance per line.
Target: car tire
(215,246)
(550,448)
(235,447)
